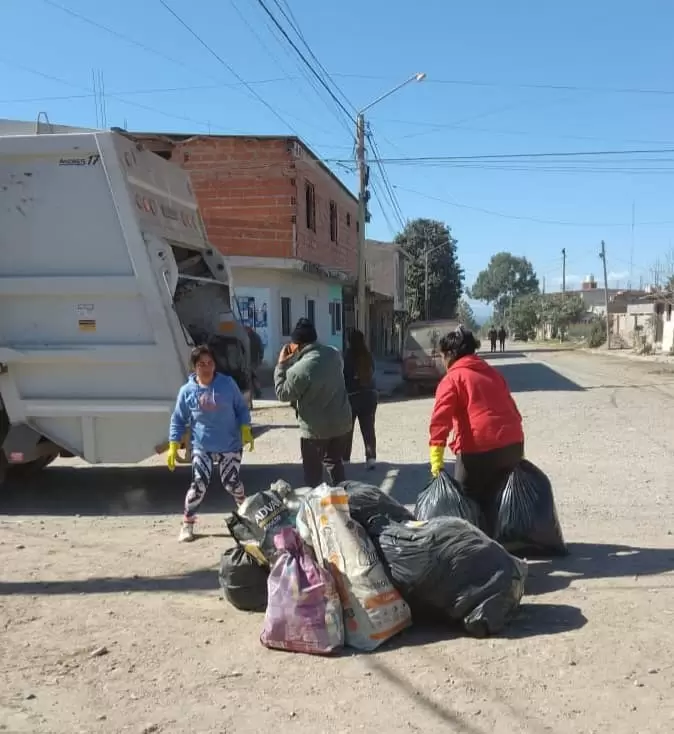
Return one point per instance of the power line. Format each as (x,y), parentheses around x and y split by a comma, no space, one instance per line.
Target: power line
(93,93)
(387,184)
(292,22)
(439,127)
(510,156)
(157,90)
(308,64)
(519,217)
(231,70)
(383,210)
(309,79)
(522,85)
(115,33)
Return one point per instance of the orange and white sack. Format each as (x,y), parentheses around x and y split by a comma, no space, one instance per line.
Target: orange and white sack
(374,611)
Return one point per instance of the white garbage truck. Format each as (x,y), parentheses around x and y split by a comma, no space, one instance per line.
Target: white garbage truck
(107,281)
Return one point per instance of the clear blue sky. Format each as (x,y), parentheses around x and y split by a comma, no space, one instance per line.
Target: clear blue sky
(503,78)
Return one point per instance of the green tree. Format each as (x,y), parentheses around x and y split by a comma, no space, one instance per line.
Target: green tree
(445,276)
(466,316)
(525,316)
(506,278)
(560,311)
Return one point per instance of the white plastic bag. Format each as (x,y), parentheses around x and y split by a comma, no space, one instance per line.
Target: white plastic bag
(374,611)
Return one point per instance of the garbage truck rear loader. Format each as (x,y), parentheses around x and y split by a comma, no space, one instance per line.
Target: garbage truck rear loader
(107,281)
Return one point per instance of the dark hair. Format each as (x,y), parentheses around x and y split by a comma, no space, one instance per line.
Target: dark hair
(199,352)
(459,343)
(304,333)
(360,354)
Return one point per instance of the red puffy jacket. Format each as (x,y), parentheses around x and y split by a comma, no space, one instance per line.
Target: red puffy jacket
(474,402)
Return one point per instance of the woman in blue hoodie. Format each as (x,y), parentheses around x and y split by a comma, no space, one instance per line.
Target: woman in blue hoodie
(212,407)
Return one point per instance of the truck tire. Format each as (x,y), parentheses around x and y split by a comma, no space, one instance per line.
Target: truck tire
(31,468)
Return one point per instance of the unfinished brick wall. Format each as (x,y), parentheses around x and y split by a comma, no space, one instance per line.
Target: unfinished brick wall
(245,192)
(251,193)
(317,246)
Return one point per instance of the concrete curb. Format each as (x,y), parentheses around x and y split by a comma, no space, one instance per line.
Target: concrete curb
(663,359)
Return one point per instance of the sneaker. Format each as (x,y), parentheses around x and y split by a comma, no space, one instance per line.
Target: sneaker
(371,464)
(186,533)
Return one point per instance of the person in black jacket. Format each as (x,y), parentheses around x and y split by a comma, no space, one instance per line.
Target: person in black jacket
(360,384)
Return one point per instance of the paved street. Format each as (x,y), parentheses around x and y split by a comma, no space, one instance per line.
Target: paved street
(89,558)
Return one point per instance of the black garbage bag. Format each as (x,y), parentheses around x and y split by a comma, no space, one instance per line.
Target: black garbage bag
(368,505)
(449,570)
(243,580)
(257,520)
(527,522)
(443,497)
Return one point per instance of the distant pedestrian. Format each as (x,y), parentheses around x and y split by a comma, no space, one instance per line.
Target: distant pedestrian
(493,336)
(310,375)
(360,384)
(502,336)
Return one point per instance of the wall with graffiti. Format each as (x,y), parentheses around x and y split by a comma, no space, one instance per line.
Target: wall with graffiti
(254,305)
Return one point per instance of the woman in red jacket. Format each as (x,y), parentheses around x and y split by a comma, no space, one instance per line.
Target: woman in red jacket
(473,402)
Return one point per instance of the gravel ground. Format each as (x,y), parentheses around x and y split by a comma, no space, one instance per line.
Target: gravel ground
(109,625)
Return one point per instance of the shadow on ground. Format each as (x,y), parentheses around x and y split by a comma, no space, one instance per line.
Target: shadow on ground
(153,490)
(597,561)
(533,376)
(259,429)
(489,356)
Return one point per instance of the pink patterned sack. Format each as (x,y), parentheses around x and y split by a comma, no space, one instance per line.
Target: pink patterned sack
(304,613)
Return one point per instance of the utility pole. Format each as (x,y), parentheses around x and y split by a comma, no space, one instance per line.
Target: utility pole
(361,321)
(427,301)
(602,255)
(363,198)
(563,269)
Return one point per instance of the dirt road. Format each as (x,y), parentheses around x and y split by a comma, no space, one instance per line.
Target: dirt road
(89,560)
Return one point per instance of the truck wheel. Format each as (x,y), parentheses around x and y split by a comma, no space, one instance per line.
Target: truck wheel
(32,467)
(3,467)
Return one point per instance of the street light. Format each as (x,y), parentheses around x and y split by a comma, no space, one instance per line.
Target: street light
(361,321)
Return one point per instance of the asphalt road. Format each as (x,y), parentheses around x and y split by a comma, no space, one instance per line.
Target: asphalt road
(89,558)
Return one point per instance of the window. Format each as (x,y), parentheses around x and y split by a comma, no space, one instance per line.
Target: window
(348,219)
(311,310)
(286,317)
(310,195)
(334,222)
(336,317)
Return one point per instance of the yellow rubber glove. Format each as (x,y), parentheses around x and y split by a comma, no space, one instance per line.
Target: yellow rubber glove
(247,438)
(172,455)
(437,459)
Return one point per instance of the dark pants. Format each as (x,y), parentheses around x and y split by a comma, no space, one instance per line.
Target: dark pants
(363,410)
(493,345)
(482,477)
(323,452)
(502,344)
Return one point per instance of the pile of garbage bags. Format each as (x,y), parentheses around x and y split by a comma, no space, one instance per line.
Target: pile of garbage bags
(526,516)
(350,566)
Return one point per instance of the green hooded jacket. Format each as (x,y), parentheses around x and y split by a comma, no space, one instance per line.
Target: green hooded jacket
(313,380)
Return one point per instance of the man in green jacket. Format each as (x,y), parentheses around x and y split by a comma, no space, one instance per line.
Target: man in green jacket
(310,375)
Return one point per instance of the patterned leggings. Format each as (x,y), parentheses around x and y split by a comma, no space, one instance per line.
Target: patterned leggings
(229,465)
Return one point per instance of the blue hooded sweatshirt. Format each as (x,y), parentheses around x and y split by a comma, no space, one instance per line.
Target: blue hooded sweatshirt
(215,414)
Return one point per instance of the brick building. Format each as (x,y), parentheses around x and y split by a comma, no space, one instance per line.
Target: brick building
(288,225)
